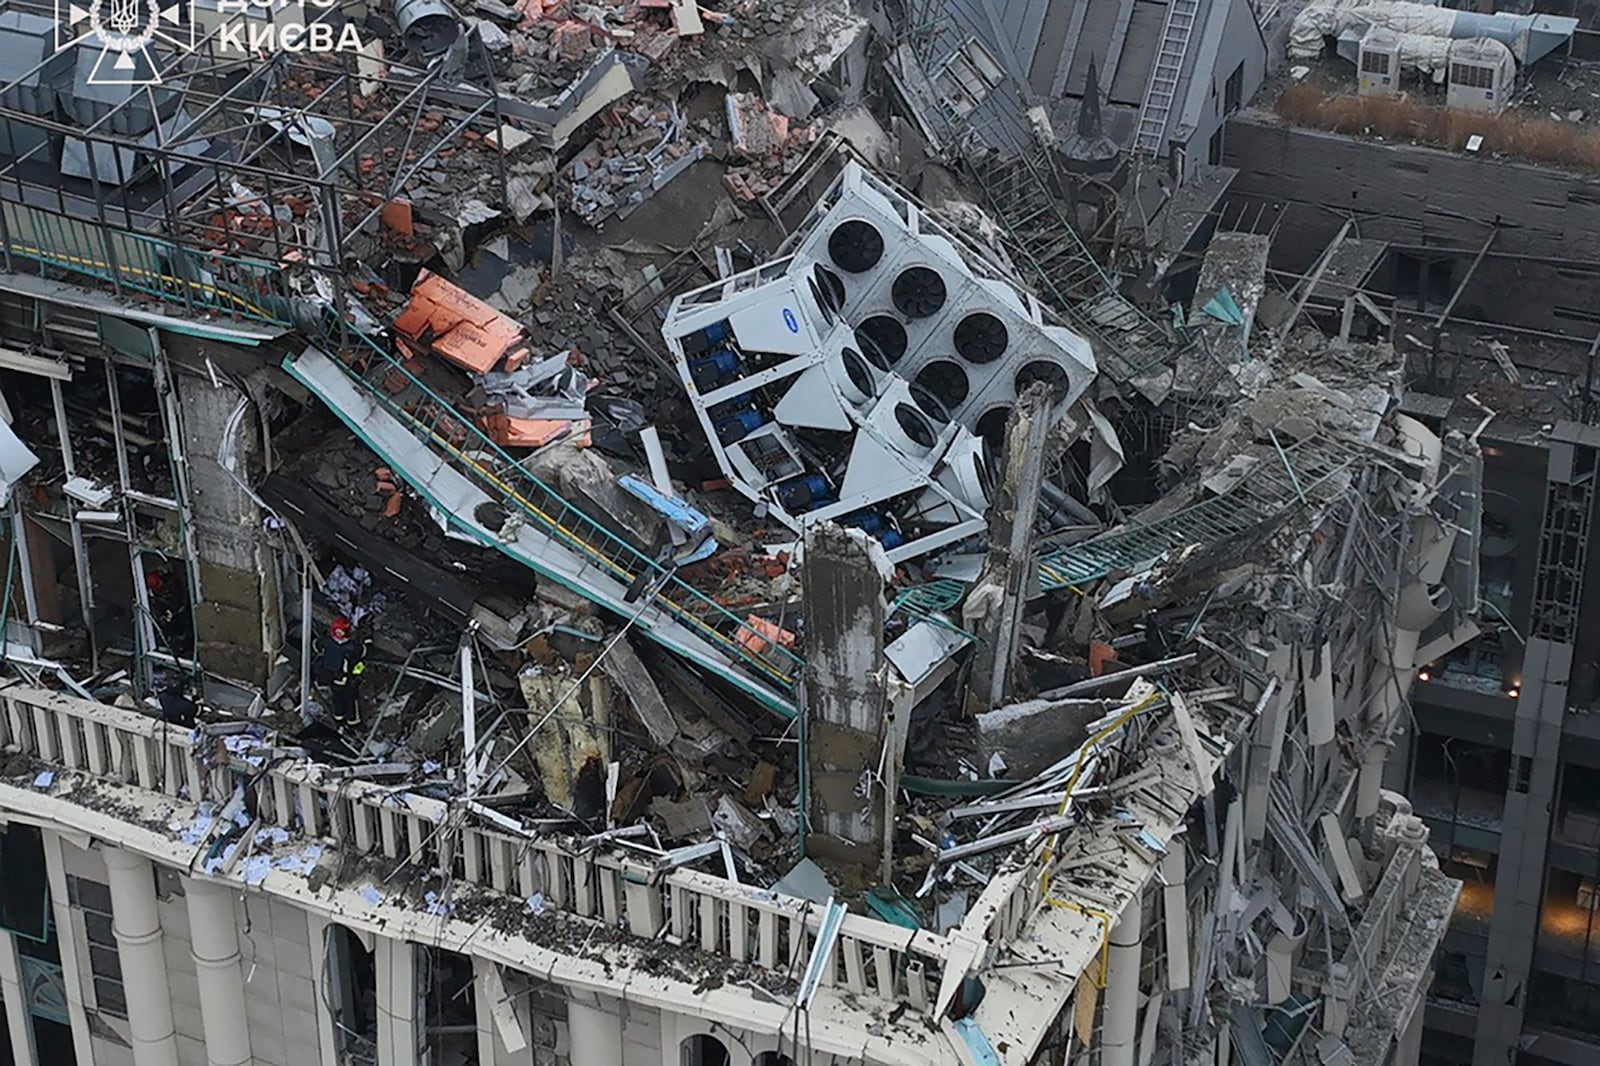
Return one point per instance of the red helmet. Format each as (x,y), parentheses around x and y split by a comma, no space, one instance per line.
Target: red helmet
(340,628)
(154,580)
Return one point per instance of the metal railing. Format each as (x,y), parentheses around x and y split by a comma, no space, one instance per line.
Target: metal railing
(201,282)
(740,923)
(435,422)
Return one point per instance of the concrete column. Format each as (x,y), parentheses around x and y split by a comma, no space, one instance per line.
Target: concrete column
(237,621)
(67,939)
(1120,1030)
(18,1022)
(483,1009)
(1370,782)
(1408,1050)
(327,1032)
(1538,723)
(1008,568)
(594,1029)
(843,701)
(396,964)
(137,926)
(214,942)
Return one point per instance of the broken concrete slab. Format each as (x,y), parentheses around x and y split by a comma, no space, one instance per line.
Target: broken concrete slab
(688,820)
(570,750)
(629,674)
(806,881)
(1031,735)
(587,479)
(742,828)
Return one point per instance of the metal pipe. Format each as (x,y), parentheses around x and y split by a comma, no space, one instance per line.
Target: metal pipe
(469,714)
(1059,497)
(1121,1024)
(1461,286)
(305,636)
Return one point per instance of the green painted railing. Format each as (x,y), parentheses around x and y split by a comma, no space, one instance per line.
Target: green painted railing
(200,281)
(470,451)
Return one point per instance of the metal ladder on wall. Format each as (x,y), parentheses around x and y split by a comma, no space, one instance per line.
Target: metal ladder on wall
(454,440)
(1564,550)
(1162,88)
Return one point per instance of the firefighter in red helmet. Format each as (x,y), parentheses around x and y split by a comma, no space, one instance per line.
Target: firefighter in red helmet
(342,663)
(169,610)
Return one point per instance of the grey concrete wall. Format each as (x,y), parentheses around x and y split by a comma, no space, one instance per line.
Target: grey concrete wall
(1405,194)
(280,995)
(1211,59)
(230,619)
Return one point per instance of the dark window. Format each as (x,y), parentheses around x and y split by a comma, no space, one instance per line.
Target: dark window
(1214,152)
(1522,774)
(24,895)
(1233,91)
(93,899)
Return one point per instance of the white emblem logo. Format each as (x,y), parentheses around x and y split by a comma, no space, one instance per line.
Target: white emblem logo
(124,31)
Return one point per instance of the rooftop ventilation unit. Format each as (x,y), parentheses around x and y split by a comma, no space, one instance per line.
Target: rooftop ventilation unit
(855,245)
(981,338)
(27,43)
(919,292)
(1378,63)
(1482,75)
(847,380)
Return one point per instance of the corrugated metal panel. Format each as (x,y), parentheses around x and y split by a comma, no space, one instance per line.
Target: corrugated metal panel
(1138,53)
(1092,43)
(1025,22)
(1052,42)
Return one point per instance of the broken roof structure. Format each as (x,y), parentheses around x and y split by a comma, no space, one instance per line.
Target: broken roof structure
(766,663)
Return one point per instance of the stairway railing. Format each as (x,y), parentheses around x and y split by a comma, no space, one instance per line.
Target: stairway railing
(461,443)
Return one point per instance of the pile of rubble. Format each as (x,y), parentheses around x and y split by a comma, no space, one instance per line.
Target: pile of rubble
(765,146)
(640,148)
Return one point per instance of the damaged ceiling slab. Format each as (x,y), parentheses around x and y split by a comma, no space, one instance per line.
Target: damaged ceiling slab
(742,535)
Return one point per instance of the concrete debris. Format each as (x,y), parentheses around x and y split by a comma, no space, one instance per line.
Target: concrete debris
(571,748)
(1030,735)
(640,150)
(726,525)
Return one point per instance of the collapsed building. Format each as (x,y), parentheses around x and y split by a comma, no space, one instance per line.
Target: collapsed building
(882,633)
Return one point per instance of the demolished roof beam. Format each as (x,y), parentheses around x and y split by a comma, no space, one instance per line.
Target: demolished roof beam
(1092,684)
(1461,286)
(425,158)
(1312,282)
(420,88)
(1010,563)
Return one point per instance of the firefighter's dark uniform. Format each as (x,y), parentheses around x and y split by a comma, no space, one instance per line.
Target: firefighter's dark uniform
(174,630)
(177,706)
(342,666)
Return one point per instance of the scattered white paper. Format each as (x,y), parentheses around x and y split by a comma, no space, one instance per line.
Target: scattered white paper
(256,868)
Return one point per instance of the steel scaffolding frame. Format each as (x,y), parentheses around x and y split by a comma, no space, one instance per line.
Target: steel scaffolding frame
(222,154)
(1023,189)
